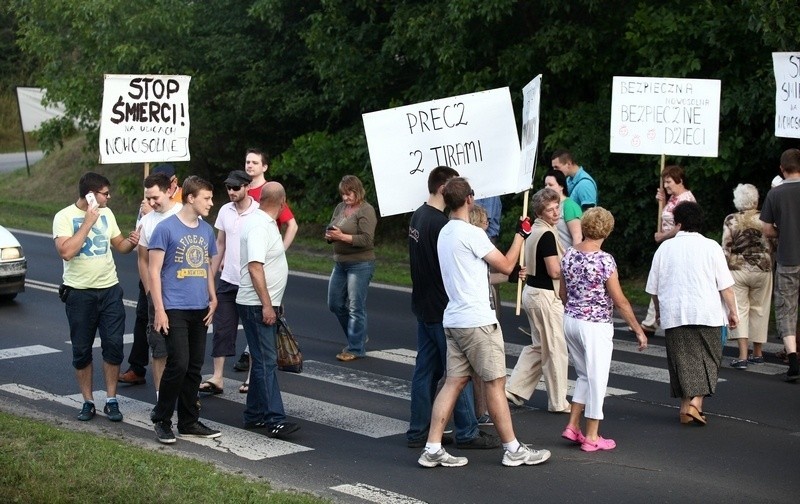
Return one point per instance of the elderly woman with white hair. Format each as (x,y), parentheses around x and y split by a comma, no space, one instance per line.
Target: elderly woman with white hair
(749,256)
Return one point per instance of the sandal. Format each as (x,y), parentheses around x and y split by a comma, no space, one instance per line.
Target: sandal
(244,387)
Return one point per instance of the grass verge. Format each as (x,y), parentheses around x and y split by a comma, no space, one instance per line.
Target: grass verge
(42,463)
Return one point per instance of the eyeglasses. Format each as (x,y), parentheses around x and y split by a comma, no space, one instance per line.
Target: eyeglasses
(472,192)
(233,188)
(106,194)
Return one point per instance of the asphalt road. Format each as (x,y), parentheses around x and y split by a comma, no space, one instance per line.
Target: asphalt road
(351,446)
(16,160)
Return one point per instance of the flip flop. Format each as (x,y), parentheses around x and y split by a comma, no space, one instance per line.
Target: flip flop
(244,387)
(210,388)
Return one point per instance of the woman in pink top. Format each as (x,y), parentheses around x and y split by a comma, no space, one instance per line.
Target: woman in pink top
(590,290)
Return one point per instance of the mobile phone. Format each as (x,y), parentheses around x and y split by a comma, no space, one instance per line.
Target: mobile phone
(330,227)
(91,200)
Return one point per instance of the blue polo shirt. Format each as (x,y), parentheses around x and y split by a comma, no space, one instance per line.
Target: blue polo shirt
(582,189)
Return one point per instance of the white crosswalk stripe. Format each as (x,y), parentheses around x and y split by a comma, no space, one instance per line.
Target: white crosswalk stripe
(240,442)
(26,351)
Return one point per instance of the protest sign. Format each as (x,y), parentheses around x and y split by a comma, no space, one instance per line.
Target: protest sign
(145,118)
(653,115)
(787,94)
(531,98)
(32,110)
(475,134)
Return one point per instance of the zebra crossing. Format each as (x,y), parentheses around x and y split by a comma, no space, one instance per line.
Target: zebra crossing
(254,446)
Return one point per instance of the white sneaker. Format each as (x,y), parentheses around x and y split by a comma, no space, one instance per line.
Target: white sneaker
(525,455)
(441,458)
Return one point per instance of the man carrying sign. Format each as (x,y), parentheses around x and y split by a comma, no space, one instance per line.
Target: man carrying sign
(580,185)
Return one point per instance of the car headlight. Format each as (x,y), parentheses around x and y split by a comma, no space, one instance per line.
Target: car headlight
(10,253)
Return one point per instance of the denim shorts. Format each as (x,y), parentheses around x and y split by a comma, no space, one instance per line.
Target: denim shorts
(92,310)
(787,287)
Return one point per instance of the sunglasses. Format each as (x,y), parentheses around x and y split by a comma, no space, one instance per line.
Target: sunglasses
(233,188)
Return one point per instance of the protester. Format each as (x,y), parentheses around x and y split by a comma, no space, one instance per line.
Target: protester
(749,256)
(352,232)
(590,290)
(580,185)
(569,220)
(264,274)
(474,337)
(230,220)
(428,301)
(92,295)
(256,164)
(688,308)
(184,299)
(779,220)
(675,185)
(547,353)
(157,190)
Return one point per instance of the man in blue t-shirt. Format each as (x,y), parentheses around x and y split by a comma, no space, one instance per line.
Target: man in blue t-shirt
(184,301)
(581,186)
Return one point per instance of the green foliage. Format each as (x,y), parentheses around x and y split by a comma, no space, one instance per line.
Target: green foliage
(295,78)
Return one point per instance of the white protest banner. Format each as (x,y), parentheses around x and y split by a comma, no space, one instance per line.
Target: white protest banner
(653,115)
(531,98)
(32,110)
(475,134)
(787,94)
(145,118)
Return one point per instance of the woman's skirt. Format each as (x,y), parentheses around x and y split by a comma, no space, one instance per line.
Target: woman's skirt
(694,353)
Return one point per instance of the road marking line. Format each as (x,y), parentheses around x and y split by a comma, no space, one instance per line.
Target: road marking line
(329,414)
(26,351)
(234,441)
(375,494)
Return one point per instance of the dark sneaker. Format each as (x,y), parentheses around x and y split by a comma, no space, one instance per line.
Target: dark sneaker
(441,458)
(739,363)
(87,412)
(164,432)
(282,429)
(112,411)
(791,376)
(243,364)
(483,440)
(131,378)
(752,359)
(198,429)
(485,419)
(420,443)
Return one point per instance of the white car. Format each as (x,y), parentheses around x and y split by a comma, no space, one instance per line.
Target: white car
(13,266)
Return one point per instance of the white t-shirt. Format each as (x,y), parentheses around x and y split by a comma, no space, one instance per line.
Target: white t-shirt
(230,221)
(461,249)
(687,275)
(151,220)
(261,242)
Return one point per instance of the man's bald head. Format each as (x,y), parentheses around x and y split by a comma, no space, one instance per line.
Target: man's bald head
(273,196)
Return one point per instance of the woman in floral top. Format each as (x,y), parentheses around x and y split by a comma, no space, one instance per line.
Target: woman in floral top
(590,290)
(749,256)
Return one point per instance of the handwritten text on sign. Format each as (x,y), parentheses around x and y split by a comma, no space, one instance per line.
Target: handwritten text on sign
(145,118)
(652,115)
(787,94)
(475,134)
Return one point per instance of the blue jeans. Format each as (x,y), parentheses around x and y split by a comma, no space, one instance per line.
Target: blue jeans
(186,348)
(92,310)
(264,402)
(430,366)
(347,299)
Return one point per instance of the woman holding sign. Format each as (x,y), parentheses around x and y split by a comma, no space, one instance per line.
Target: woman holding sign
(351,231)
(674,184)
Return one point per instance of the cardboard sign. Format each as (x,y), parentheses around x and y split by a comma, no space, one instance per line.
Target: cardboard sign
(678,117)
(145,118)
(475,134)
(531,99)
(787,94)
